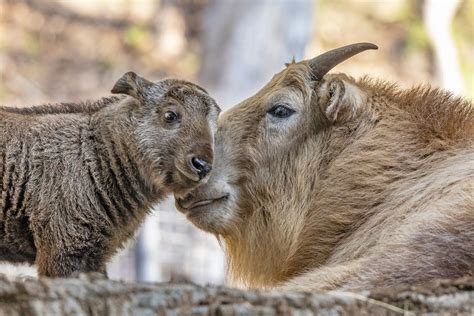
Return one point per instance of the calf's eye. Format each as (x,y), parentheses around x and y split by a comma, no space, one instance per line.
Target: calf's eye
(280,111)
(171,116)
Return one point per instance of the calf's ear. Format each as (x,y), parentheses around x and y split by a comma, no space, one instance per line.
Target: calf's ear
(339,99)
(133,85)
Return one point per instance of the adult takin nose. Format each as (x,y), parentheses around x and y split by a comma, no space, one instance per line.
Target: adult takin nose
(200,166)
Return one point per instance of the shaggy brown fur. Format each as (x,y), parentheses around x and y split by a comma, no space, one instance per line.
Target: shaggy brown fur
(78,179)
(364,185)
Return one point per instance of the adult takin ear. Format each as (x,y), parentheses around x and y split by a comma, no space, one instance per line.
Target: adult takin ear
(342,98)
(133,85)
(339,99)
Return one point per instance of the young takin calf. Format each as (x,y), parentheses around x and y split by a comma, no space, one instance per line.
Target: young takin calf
(326,182)
(78,179)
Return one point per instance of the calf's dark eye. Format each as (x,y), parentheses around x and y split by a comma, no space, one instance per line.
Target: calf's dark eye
(280,111)
(171,116)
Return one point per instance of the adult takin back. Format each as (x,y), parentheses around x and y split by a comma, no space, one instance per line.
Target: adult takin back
(78,179)
(323,182)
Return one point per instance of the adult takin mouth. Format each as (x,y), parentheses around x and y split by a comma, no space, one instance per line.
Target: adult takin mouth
(190,204)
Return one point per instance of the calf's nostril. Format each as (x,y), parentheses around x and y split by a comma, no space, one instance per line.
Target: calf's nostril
(201,166)
(198,164)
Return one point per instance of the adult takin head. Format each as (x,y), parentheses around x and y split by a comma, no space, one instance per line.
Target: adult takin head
(322,181)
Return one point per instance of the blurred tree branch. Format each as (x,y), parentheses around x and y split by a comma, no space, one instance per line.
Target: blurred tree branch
(56,9)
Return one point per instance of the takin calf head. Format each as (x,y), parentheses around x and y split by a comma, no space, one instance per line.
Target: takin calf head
(175,121)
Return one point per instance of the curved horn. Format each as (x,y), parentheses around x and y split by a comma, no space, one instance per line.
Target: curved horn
(322,64)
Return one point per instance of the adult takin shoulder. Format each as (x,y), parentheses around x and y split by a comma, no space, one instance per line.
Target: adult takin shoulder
(78,179)
(322,182)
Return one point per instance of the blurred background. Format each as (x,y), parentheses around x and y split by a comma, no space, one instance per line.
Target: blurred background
(71,50)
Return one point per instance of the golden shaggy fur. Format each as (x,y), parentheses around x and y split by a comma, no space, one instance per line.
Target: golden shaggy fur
(365,185)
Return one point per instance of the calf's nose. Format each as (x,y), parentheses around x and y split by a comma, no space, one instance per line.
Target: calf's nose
(200,166)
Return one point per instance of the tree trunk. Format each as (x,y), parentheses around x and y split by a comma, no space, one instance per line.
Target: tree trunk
(91,295)
(246,42)
(438,17)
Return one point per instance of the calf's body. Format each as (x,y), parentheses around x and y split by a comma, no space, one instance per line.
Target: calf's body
(77,180)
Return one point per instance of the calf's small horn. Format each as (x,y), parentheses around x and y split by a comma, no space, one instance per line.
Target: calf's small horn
(322,64)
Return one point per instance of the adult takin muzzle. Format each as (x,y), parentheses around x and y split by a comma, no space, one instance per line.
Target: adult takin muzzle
(78,179)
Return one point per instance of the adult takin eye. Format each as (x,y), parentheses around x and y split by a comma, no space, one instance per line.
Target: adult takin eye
(171,116)
(280,111)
